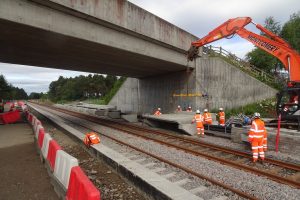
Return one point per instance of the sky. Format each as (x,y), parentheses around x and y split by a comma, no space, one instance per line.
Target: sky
(195,16)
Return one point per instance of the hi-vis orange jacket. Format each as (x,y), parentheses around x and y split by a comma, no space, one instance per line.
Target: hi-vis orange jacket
(257,131)
(91,138)
(207,118)
(199,120)
(157,113)
(222,118)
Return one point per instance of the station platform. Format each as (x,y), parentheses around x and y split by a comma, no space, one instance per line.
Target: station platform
(177,121)
(21,173)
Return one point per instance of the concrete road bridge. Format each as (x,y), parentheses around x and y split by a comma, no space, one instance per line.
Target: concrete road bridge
(118,38)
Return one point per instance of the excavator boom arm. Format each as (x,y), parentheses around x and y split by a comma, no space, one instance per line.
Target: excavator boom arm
(275,46)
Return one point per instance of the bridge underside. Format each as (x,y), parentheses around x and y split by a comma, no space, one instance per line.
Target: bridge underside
(27,45)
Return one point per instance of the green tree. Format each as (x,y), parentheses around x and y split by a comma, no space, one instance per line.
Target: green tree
(291,31)
(9,92)
(5,88)
(35,95)
(260,58)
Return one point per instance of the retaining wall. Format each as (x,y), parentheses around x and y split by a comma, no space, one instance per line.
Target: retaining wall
(226,86)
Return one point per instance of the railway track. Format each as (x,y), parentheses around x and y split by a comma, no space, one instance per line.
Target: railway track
(276,170)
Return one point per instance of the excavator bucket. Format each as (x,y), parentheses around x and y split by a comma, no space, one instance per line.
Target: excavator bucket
(192,53)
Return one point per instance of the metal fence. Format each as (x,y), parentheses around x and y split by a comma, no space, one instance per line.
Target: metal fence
(240,63)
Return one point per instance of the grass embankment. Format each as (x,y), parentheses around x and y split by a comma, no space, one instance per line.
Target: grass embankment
(266,108)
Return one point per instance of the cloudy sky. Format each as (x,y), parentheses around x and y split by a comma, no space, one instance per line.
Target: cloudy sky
(195,16)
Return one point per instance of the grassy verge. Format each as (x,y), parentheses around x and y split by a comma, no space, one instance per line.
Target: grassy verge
(266,108)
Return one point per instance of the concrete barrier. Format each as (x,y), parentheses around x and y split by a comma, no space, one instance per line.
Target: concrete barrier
(45,146)
(63,165)
(80,187)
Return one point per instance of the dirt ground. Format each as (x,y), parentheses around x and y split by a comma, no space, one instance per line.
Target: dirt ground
(22,175)
(110,184)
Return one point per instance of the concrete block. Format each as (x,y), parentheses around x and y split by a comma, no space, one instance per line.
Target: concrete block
(63,165)
(188,128)
(101,112)
(45,147)
(130,117)
(114,114)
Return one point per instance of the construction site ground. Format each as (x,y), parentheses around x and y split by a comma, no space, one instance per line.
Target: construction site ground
(22,174)
(110,184)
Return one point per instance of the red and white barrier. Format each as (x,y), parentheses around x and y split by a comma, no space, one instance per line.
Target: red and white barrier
(41,138)
(52,150)
(36,125)
(40,128)
(45,146)
(63,165)
(33,120)
(80,187)
(10,117)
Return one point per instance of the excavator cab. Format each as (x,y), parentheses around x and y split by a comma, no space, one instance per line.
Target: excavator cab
(288,104)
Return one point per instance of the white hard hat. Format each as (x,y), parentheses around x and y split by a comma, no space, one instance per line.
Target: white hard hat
(198,111)
(178,106)
(205,110)
(190,107)
(256,115)
(221,109)
(158,108)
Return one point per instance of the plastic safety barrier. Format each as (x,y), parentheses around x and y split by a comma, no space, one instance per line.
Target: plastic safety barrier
(52,150)
(29,117)
(45,146)
(63,165)
(80,187)
(41,138)
(39,129)
(33,120)
(10,117)
(36,125)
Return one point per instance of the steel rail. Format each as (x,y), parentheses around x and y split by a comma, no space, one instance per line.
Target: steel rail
(201,176)
(218,159)
(192,141)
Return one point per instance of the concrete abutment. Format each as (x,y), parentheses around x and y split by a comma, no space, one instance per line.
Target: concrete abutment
(212,84)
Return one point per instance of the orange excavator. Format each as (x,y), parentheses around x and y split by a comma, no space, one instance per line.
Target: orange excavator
(287,99)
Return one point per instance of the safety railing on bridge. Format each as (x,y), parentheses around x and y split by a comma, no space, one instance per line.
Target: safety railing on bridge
(243,65)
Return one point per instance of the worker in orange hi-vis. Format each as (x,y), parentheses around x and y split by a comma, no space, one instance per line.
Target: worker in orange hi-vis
(257,137)
(207,117)
(91,138)
(189,109)
(178,108)
(221,115)
(198,118)
(157,112)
